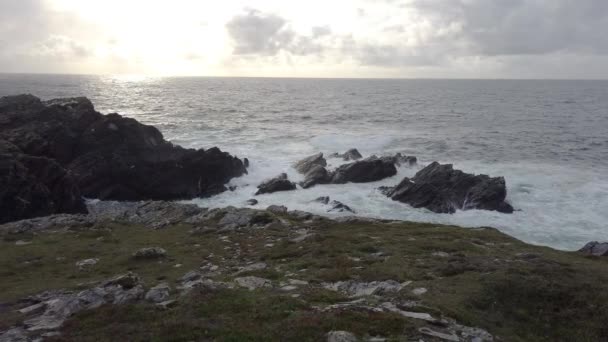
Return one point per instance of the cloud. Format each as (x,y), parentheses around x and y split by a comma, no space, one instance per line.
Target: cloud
(263,34)
(523,27)
(45,41)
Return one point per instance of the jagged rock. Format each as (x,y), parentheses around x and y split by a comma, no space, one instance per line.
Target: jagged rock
(359,289)
(252,202)
(159,293)
(150,253)
(398,159)
(253,283)
(316,175)
(323,200)
(341,336)
(364,171)
(112,157)
(352,154)
(35,186)
(86,264)
(337,206)
(595,248)
(279,183)
(442,189)
(305,165)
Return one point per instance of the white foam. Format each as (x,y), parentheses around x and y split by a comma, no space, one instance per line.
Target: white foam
(560,206)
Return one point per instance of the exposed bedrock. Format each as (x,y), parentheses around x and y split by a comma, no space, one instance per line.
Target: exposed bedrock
(107,156)
(442,189)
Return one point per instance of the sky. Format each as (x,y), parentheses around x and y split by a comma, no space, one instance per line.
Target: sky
(314,38)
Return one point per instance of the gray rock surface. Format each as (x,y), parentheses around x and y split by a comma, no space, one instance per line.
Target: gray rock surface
(307,164)
(159,293)
(150,253)
(341,336)
(595,248)
(253,283)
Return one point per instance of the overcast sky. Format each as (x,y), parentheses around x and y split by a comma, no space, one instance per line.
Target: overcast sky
(313,38)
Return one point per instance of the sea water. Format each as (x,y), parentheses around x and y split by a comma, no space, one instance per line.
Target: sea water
(549,139)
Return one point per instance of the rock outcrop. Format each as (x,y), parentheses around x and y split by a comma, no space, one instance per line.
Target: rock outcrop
(33,186)
(595,248)
(317,175)
(308,163)
(442,189)
(61,143)
(279,183)
(364,171)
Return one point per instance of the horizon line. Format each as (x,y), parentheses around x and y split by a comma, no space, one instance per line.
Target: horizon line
(303,77)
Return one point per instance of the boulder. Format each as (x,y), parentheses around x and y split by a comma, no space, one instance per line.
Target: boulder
(252,202)
(317,175)
(308,163)
(442,189)
(595,248)
(352,154)
(111,157)
(279,183)
(364,171)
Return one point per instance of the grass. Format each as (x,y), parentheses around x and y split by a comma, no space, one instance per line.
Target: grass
(479,277)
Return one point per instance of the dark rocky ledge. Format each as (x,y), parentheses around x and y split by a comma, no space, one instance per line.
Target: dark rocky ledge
(442,189)
(52,152)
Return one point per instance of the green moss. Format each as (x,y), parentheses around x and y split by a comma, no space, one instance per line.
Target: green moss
(480,277)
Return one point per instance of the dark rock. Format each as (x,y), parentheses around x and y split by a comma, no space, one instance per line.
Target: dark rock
(340,207)
(317,175)
(246,162)
(112,157)
(595,248)
(352,154)
(305,165)
(324,200)
(252,202)
(364,171)
(442,189)
(280,183)
(398,159)
(35,186)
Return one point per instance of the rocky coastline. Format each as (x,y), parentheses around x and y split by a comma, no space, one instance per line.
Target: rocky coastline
(159,269)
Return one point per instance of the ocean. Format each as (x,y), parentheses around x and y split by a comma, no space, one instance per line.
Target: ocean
(549,139)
